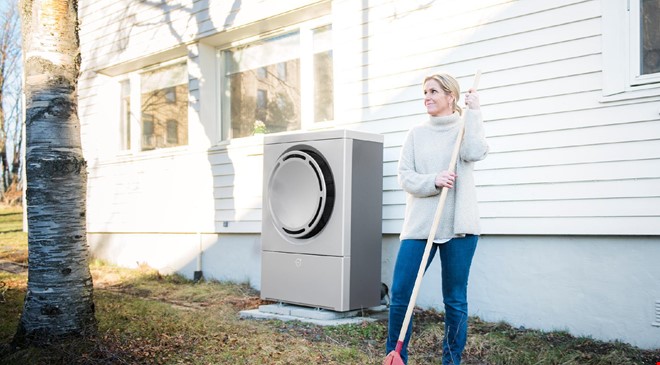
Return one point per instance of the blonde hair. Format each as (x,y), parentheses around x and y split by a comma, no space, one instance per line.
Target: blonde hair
(448,85)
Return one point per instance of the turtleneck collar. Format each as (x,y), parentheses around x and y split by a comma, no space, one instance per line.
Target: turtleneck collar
(444,122)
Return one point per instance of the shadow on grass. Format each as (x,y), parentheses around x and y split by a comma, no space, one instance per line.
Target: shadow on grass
(144,318)
(148,318)
(17,214)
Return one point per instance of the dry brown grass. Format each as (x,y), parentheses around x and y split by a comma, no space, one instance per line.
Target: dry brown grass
(148,318)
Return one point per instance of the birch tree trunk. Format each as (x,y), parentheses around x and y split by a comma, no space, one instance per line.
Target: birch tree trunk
(59,299)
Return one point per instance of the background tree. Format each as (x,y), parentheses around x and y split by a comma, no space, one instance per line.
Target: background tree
(59,301)
(10,100)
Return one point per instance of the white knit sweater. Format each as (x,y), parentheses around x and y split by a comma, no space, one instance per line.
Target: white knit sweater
(427,151)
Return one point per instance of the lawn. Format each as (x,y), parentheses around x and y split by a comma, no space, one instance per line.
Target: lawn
(148,318)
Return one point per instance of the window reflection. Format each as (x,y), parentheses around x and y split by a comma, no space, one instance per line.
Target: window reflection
(164,104)
(265,81)
(650,48)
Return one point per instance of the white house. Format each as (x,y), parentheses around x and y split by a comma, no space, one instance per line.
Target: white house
(569,194)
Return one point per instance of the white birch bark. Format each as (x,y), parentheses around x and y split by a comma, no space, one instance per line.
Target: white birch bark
(59,300)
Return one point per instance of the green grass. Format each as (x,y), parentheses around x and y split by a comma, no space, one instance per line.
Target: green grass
(148,318)
(13,241)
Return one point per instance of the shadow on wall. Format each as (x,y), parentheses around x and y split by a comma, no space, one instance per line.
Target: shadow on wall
(524,80)
(128,217)
(236,206)
(222,249)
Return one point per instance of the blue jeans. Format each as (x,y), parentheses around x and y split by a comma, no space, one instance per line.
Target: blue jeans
(456,258)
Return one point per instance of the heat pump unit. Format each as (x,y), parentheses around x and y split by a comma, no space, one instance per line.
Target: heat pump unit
(322,218)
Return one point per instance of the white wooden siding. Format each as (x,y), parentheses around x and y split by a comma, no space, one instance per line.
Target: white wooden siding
(160,192)
(562,161)
(237,183)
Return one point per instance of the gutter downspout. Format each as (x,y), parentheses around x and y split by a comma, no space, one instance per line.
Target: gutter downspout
(198,275)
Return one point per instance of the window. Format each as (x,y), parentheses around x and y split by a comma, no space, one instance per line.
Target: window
(644,41)
(262,105)
(280,83)
(148,140)
(170,95)
(262,73)
(172,132)
(159,96)
(631,49)
(164,107)
(650,37)
(281,71)
(323,79)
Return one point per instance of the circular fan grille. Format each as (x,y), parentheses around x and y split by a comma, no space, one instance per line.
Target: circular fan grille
(301,193)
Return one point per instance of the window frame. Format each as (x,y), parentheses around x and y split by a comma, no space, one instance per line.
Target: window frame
(306,29)
(125,142)
(622,79)
(635,41)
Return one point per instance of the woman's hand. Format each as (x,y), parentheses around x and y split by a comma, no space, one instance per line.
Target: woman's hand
(445,179)
(472,99)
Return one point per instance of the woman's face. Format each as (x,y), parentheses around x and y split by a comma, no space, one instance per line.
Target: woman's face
(437,102)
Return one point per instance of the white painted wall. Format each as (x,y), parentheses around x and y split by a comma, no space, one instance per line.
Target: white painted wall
(233,258)
(569,194)
(603,287)
(600,287)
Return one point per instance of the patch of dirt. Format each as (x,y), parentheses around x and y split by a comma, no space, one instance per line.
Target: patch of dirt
(246,303)
(236,302)
(13,267)
(14,195)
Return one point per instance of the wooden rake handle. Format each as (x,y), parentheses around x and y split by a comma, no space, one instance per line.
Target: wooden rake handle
(434,228)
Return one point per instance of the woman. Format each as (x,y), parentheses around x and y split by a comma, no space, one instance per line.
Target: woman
(422,174)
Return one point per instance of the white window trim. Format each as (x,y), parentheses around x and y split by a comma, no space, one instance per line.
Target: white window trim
(119,150)
(621,41)
(307,84)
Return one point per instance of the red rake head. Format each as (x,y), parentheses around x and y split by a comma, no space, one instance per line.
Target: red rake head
(393,358)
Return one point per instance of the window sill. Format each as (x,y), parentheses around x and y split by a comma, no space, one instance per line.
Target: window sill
(254,140)
(640,92)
